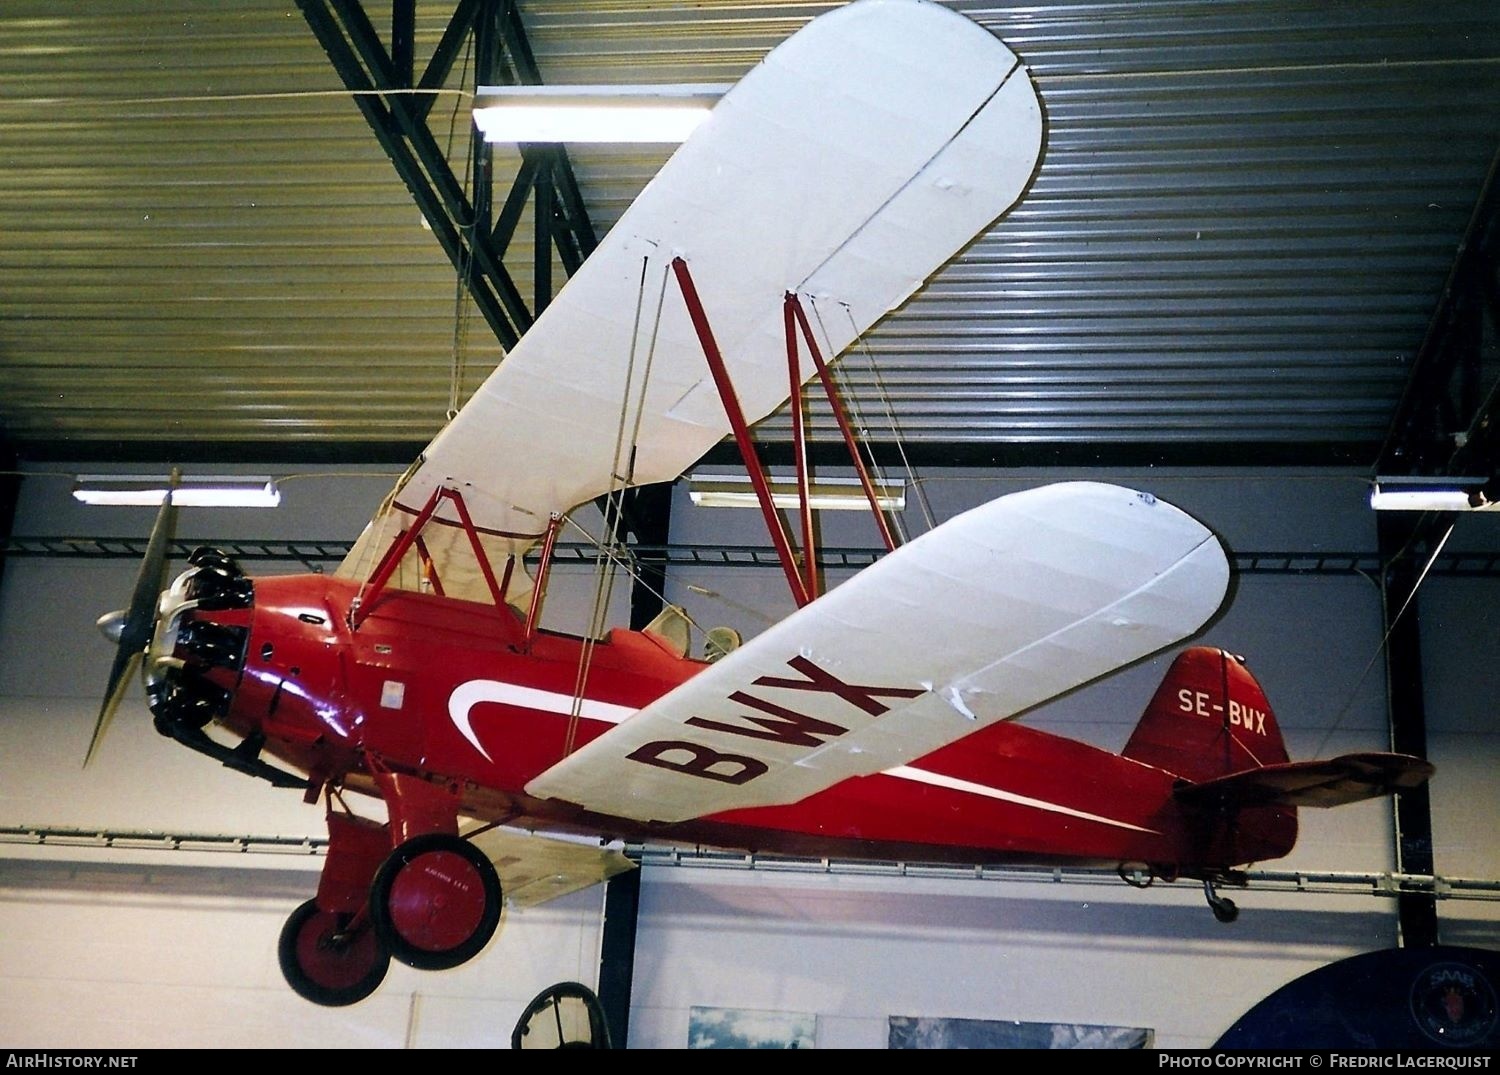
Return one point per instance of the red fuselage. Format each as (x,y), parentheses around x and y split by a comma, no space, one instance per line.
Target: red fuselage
(452,691)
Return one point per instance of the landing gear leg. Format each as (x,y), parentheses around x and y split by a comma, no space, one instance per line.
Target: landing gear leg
(1222,906)
(329,950)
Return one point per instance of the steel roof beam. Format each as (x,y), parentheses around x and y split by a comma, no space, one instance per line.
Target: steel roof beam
(1444,423)
(378,77)
(575,238)
(440,63)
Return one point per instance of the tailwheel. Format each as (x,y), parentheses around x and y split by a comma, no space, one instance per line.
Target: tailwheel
(435,902)
(329,958)
(1222,906)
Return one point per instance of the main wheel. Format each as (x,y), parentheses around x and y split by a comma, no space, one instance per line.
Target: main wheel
(435,902)
(326,962)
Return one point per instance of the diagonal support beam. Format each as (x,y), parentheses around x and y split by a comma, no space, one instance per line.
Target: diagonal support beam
(574,232)
(381,81)
(1444,423)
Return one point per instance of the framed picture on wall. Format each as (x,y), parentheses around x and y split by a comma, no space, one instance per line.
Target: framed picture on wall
(741,1028)
(918,1032)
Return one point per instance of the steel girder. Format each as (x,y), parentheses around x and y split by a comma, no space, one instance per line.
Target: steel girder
(1444,424)
(382,81)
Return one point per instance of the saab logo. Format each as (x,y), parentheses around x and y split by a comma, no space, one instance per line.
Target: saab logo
(1240,716)
(771,722)
(1454,1005)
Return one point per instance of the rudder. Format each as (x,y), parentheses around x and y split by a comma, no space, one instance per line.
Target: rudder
(1208,718)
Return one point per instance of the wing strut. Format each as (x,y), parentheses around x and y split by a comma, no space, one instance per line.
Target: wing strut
(535,611)
(742,435)
(803,580)
(839,414)
(412,536)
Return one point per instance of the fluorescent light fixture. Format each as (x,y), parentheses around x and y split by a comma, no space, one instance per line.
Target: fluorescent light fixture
(593,113)
(1430,494)
(206,491)
(824,494)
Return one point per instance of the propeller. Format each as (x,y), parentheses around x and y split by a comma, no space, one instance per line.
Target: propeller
(131,628)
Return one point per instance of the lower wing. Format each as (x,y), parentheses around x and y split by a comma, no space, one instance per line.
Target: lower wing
(984,617)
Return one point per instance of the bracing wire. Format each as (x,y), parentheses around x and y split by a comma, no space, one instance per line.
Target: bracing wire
(895,425)
(627,564)
(852,399)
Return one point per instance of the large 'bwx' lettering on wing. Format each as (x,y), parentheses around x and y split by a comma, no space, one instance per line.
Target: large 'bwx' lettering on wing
(779,724)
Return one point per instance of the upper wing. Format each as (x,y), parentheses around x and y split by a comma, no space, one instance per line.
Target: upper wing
(989,614)
(857,158)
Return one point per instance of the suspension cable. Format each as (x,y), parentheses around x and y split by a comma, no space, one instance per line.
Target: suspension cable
(614,503)
(1390,630)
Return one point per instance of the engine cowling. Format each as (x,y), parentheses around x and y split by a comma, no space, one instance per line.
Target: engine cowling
(186,649)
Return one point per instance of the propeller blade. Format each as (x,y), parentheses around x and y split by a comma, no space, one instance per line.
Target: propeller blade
(150,580)
(120,675)
(138,622)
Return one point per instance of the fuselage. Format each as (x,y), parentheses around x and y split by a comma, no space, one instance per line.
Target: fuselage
(455,692)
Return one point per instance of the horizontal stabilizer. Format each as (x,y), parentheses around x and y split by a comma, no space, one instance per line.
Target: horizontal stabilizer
(1349,778)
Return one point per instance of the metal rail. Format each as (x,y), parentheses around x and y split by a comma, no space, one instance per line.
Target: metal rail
(315,552)
(1386,884)
(133,840)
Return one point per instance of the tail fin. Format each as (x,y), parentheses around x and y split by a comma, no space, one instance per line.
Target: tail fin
(1208,718)
(1210,724)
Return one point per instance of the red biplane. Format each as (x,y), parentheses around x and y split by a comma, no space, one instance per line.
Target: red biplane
(873,722)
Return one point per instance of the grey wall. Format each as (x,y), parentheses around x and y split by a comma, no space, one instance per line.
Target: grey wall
(148,932)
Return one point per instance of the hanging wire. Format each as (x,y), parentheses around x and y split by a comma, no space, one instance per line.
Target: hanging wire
(640,406)
(614,504)
(465,276)
(1386,638)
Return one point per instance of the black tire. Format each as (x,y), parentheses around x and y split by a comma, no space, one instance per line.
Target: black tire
(435,902)
(1225,910)
(326,965)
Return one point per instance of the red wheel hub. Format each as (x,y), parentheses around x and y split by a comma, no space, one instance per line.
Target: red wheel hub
(332,959)
(437,901)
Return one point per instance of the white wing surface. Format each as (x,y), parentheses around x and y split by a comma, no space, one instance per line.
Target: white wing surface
(852,163)
(991,613)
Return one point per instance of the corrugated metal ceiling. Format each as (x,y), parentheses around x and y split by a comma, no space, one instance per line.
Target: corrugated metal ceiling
(1240,228)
